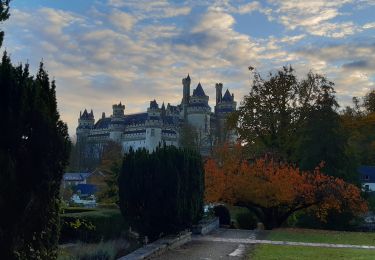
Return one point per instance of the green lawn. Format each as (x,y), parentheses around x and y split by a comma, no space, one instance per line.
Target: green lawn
(315,236)
(264,252)
(322,236)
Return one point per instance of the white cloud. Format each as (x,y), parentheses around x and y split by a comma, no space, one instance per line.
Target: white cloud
(122,20)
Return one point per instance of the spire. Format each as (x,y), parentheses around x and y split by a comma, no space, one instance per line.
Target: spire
(227,96)
(199,92)
(188,77)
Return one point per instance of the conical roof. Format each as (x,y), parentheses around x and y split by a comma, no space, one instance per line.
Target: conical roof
(199,92)
(227,97)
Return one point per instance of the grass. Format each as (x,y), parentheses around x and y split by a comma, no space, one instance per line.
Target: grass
(322,236)
(315,236)
(103,250)
(274,252)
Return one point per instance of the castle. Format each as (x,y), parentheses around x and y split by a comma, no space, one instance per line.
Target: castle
(162,125)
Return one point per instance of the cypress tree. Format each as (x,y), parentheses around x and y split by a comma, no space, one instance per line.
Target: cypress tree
(34,150)
(162,192)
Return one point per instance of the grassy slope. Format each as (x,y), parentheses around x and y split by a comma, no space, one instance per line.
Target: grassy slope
(322,236)
(265,252)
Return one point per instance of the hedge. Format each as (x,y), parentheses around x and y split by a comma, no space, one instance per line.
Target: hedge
(92,226)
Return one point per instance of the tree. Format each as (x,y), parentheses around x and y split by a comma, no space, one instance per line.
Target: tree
(271,114)
(359,122)
(34,150)
(111,165)
(274,190)
(161,192)
(323,138)
(4,15)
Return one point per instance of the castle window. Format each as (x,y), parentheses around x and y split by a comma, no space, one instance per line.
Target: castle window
(152,132)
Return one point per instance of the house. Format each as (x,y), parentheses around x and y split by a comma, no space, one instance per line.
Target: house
(74,178)
(367,177)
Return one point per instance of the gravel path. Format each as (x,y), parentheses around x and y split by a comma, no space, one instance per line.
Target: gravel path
(209,249)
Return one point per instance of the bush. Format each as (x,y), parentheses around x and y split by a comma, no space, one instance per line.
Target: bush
(223,214)
(246,220)
(161,192)
(92,226)
(77,210)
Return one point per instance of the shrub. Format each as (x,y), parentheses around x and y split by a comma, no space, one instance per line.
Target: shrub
(92,226)
(246,220)
(161,192)
(77,210)
(223,214)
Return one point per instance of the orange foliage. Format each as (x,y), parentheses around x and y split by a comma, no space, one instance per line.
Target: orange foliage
(267,184)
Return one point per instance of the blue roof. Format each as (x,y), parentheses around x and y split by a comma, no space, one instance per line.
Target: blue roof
(199,92)
(170,120)
(139,118)
(167,131)
(103,123)
(367,173)
(86,189)
(225,110)
(199,104)
(227,97)
(75,176)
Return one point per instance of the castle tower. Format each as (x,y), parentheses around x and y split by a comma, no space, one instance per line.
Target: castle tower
(219,94)
(117,125)
(186,89)
(226,106)
(154,125)
(85,124)
(185,96)
(198,116)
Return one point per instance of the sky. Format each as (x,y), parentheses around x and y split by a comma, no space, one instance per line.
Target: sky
(134,51)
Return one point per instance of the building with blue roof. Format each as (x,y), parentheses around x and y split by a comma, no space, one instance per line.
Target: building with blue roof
(161,125)
(367,177)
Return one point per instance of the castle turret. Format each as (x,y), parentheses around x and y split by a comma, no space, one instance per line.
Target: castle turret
(199,116)
(153,126)
(219,94)
(186,90)
(85,124)
(117,124)
(226,106)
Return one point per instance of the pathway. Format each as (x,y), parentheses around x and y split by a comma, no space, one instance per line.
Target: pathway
(213,246)
(233,244)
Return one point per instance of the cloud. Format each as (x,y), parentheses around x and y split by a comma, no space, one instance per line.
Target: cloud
(314,17)
(122,20)
(145,9)
(129,51)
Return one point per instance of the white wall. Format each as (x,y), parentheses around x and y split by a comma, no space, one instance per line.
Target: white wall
(153,138)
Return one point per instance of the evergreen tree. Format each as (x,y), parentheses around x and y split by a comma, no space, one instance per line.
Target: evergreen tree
(161,192)
(34,149)
(4,15)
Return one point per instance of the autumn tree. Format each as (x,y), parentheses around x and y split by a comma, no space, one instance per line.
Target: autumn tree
(274,190)
(111,165)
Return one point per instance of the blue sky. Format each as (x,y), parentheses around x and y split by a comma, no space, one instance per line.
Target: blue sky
(101,52)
